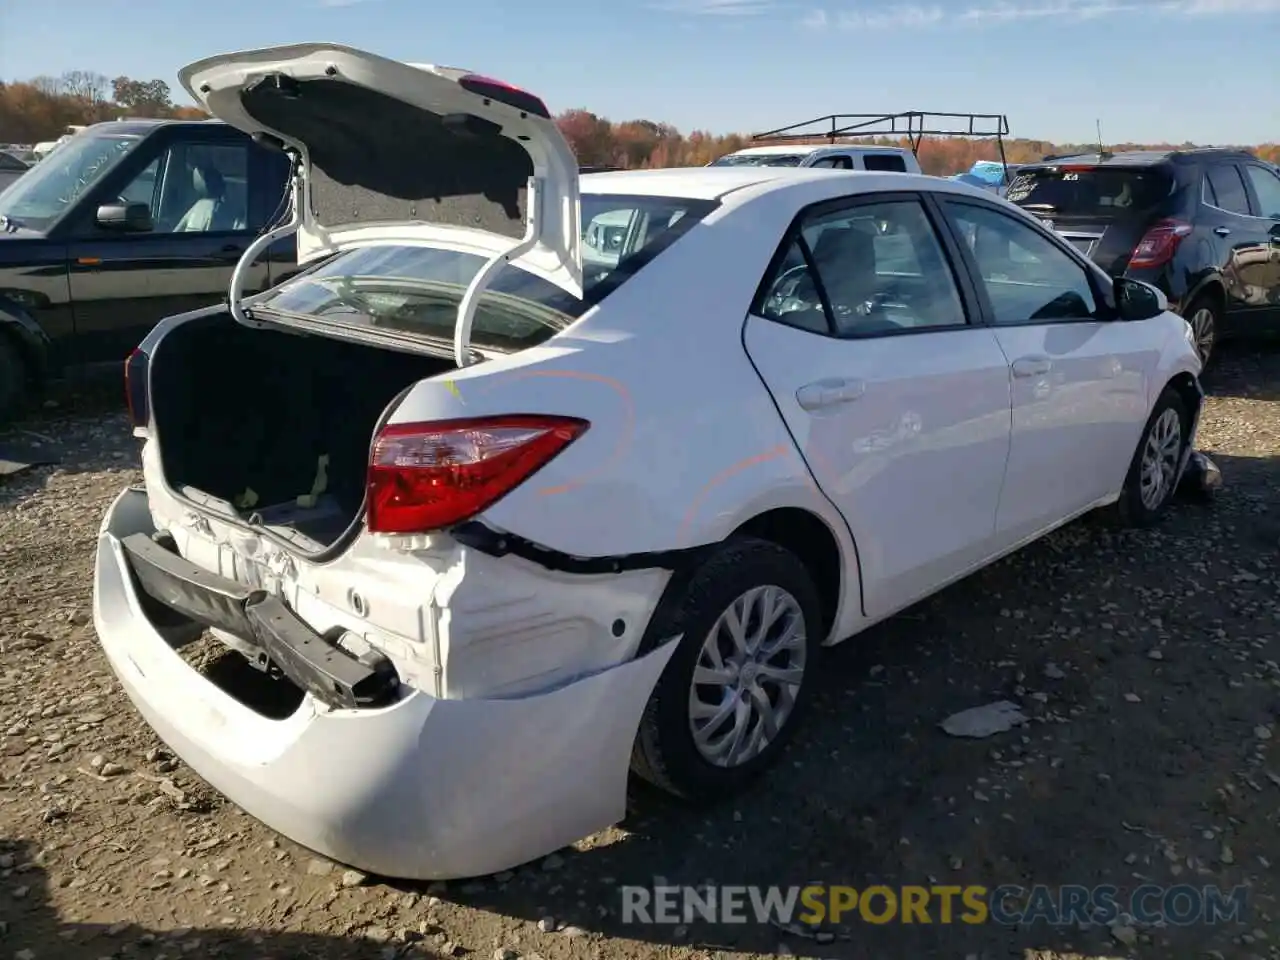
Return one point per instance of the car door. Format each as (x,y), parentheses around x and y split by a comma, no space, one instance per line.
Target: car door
(1244,248)
(1079,378)
(204,206)
(898,403)
(1264,200)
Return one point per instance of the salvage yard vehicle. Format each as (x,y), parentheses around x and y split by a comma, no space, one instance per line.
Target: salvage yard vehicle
(1201,224)
(482,515)
(845,157)
(126,223)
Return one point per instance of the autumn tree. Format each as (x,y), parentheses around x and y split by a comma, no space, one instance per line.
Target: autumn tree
(142,98)
(42,109)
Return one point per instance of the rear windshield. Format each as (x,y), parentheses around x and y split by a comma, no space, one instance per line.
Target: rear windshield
(1089,191)
(416,289)
(760,160)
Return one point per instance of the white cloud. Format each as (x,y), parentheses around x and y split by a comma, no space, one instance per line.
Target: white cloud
(891,18)
(1007,11)
(717,8)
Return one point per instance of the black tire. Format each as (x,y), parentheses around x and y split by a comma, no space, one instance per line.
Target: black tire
(1131,510)
(665,753)
(1204,316)
(13,380)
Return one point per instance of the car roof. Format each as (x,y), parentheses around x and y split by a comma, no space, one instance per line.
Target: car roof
(143,126)
(1139,158)
(696,183)
(717,183)
(804,149)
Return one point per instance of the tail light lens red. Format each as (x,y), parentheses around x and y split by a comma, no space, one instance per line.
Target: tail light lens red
(428,476)
(136,393)
(1159,244)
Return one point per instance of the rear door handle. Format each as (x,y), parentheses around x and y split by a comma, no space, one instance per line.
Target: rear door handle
(828,393)
(1032,366)
(1222,231)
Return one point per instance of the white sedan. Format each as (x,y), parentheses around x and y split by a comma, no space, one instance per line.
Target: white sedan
(498,530)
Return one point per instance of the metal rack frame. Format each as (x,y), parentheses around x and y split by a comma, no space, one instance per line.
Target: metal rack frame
(915,125)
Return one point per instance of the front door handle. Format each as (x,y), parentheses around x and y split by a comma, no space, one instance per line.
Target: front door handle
(828,393)
(1032,366)
(1222,231)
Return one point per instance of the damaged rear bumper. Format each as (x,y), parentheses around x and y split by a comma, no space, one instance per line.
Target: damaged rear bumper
(421,788)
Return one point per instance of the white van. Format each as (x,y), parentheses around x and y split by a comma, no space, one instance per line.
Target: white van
(840,156)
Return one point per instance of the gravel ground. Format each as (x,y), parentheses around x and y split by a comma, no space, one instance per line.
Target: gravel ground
(1146,662)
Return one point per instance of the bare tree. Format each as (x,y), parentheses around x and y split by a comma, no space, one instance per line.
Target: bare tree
(49,86)
(85,85)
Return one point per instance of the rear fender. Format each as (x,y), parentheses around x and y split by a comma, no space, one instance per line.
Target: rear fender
(632,490)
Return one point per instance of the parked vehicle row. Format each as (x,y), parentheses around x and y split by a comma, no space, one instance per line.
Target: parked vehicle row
(487,509)
(1203,225)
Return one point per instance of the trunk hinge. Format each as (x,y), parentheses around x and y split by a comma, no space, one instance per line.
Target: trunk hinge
(297,204)
(462,354)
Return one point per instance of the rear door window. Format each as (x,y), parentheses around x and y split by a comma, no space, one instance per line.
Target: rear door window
(868,270)
(1100,192)
(1228,188)
(886,162)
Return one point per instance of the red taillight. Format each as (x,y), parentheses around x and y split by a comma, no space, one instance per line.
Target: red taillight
(425,476)
(504,93)
(1159,244)
(135,388)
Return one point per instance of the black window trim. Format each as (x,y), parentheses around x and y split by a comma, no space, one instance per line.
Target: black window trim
(969,302)
(1249,199)
(1099,284)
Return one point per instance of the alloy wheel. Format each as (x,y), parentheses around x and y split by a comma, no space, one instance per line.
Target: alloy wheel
(1160,453)
(1204,331)
(747,675)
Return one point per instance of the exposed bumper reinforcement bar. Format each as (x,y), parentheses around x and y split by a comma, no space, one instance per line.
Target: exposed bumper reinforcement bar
(314,662)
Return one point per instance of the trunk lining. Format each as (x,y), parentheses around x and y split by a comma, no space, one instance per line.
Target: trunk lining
(375,158)
(239,409)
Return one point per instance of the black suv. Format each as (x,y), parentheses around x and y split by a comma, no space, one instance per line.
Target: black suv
(1203,225)
(126,223)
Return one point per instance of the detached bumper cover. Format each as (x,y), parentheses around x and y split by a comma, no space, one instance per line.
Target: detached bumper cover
(423,788)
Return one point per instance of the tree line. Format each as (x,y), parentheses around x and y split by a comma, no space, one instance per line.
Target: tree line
(42,108)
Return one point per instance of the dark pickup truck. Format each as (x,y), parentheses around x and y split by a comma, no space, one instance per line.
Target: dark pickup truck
(125,224)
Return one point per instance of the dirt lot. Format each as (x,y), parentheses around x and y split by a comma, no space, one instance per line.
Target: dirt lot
(1148,663)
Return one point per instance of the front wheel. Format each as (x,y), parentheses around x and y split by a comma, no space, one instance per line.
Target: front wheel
(736,688)
(1153,472)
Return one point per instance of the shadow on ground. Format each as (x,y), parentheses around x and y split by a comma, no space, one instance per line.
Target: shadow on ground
(32,929)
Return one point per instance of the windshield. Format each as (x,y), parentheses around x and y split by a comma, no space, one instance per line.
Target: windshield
(416,290)
(1089,191)
(43,194)
(760,160)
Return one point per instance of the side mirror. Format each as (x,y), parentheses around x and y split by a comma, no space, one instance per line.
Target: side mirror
(126,217)
(1136,300)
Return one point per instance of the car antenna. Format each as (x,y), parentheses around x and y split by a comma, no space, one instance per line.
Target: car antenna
(1102,151)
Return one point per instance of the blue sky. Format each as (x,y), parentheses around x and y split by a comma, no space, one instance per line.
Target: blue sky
(1150,70)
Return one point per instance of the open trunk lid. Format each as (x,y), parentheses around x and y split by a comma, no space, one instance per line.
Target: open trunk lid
(1102,209)
(396,153)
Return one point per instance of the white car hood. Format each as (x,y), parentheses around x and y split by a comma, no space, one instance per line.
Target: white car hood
(406,153)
